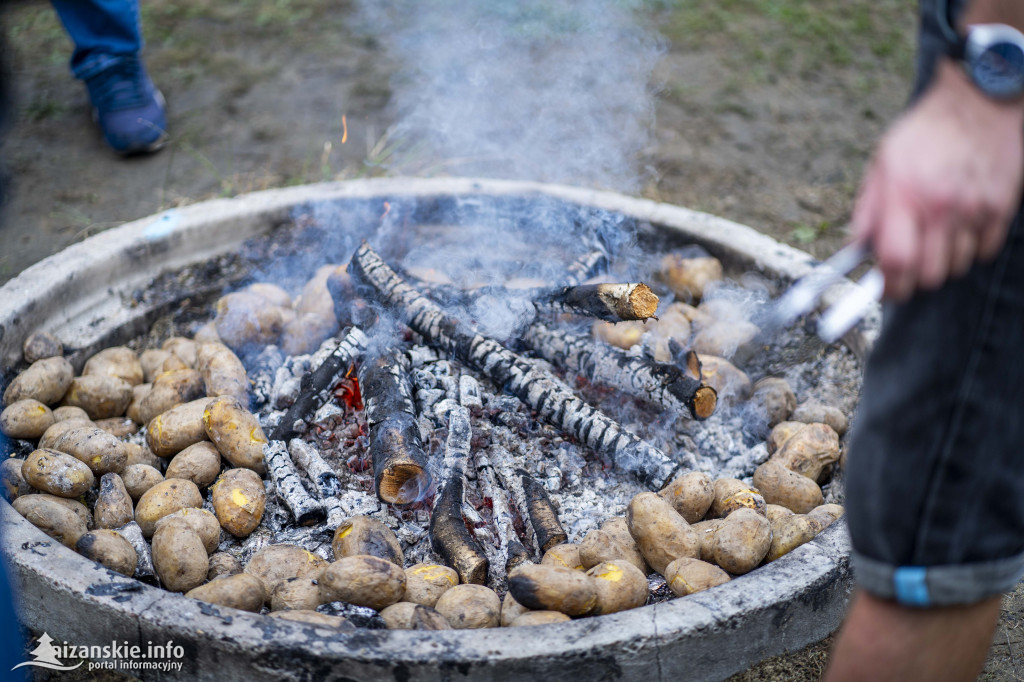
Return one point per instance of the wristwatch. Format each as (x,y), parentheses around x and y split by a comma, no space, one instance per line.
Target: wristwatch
(992,55)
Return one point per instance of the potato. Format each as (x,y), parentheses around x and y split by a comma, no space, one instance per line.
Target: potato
(364,580)
(67,412)
(140,454)
(306,332)
(57,473)
(731,384)
(425,583)
(13,483)
(179,558)
(511,609)
(97,449)
(617,527)
(531,618)
(118,427)
(139,394)
(56,520)
(138,478)
(238,591)
(706,534)
(788,533)
(182,348)
(774,512)
(809,450)
(203,522)
(399,616)
(686,576)
(41,345)
(742,541)
(177,428)
(274,294)
(600,546)
(315,618)
(152,362)
(364,535)
(199,463)
(812,412)
(206,334)
(236,432)
(623,335)
(660,532)
(726,339)
(171,389)
(471,606)
(107,547)
(276,563)
(163,499)
(825,515)
(780,433)
(113,506)
(239,499)
(222,564)
(774,400)
(50,436)
(732,494)
(689,277)
(223,373)
(45,380)
(566,555)
(296,593)
(119,362)
(778,485)
(691,495)
(244,318)
(553,588)
(27,419)
(100,396)
(73,505)
(315,297)
(620,586)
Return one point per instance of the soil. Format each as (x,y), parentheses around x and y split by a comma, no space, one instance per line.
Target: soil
(764,112)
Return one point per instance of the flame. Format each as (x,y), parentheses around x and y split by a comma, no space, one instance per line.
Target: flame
(344,129)
(387,209)
(348,391)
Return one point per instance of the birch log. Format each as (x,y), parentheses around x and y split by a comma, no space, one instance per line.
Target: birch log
(323,478)
(305,510)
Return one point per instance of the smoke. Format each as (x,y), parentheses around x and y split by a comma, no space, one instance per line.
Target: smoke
(553,92)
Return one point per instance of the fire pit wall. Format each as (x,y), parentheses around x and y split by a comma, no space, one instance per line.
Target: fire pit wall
(88,296)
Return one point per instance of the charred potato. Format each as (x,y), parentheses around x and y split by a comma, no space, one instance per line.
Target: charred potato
(179,558)
(199,463)
(742,541)
(470,606)
(57,473)
(113,506)
(14,484)
(687,576)
(620,586)
(553,588)
(169,433)
(364,535)
(45,380)
(691,495)
(425,583)
(239,591)
(107,547)
(239,499)
(236,432)
(41,345)
(660,532)
(222,564)
(164,499)
(364,580)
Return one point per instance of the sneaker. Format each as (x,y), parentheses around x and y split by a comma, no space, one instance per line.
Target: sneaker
(128,108)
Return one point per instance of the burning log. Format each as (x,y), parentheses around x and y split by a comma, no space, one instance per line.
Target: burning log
(305,510)
(639,376)
(610,302)
(508,540)
(537,389)
(543,516)
(318,384)
(397,453)
(448,532)
(323,477)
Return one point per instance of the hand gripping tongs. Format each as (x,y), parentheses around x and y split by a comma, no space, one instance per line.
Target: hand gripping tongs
(803,296)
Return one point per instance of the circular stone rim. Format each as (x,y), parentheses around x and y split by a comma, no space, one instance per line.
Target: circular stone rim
(785,605)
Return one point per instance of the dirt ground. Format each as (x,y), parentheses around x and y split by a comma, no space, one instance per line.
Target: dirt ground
(765,112)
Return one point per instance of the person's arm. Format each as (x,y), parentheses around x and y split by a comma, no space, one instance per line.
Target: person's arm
(946,178)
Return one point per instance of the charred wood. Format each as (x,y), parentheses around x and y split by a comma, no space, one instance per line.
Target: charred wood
(304,509)
(323,478)
(543,516)
(611,302)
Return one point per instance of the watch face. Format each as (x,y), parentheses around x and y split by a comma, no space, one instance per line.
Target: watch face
(999,69)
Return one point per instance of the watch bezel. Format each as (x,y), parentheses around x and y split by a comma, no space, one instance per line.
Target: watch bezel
(982,39)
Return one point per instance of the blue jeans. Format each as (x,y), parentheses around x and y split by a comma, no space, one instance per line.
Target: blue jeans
(103,31)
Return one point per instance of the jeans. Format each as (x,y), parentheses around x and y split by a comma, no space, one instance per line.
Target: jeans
(102,31)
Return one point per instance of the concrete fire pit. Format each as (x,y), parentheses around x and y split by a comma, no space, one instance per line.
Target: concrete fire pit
(79,295)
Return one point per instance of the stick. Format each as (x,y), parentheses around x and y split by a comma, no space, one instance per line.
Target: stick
(543,516)
(449,535)
(611,302)
(323,478)
(290,490)
(639,376)
(537,389)
(399,461)
(318,384)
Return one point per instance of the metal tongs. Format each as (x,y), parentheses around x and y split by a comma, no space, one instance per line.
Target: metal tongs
(803,296)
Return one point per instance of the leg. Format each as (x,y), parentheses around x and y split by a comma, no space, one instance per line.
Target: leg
(101,30)
(882,640)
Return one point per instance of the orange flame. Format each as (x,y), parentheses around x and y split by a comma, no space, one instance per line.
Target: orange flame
(387,209)
(344,129)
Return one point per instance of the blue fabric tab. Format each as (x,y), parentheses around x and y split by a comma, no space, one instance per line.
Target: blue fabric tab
(911,588)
